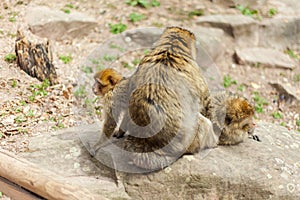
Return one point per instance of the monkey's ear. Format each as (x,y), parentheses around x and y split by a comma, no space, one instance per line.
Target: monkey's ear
(112,80)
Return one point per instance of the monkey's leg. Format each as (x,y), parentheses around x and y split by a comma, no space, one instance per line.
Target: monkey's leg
(205,137)
(107,131)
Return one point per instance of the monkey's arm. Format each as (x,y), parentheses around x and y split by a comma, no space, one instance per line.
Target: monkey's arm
(109,125)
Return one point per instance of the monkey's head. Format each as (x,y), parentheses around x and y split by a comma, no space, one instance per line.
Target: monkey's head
(105,81)
(239,116)
(238,121)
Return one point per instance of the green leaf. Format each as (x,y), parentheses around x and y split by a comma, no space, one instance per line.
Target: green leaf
(65,59)
(277,115)
(10,57)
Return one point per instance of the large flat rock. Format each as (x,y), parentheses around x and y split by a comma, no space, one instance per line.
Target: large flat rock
(264,58)
(269,169)
(55,24)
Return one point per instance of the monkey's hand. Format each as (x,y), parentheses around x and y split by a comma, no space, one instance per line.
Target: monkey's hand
(255,137)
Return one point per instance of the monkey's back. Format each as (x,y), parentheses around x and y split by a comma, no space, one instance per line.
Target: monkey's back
(166,93)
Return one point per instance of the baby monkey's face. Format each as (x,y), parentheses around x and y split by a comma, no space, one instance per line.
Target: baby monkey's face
(105,80)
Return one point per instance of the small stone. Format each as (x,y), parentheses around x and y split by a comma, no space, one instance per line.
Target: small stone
(255,86)
(291,187)
(127,39)
(76,165)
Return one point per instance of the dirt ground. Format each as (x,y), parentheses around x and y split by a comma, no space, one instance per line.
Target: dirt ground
(25,113)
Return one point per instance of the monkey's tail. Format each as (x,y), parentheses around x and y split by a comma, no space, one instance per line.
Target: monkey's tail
(143,155)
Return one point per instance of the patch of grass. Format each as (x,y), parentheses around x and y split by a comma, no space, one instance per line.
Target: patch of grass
(18,110)
(298,122)
(292,54)
(117,28)
(39,89)
(19,119)
(99,67)
(272,12)
(58,126)
(30,113)
(114,46)
(260,102)
(228,81)
(141,3)
(65,59)
(12,35)
(297,78)
(12,19)
(13,83)
(95,62)
(283,124)
(11,57)
(109,58)
(87,70)
(23,103)
(70,6)
(277,115)
(80,92)
(146,51)
(157,24)
(136,61)
(249,12)
(246,10)
(22,130)
(1,195)
(66,10)
(135,17)
(198,12)
(127,65)
(155,3)
(240,87)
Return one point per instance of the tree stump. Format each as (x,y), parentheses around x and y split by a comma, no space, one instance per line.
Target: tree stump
(35,59)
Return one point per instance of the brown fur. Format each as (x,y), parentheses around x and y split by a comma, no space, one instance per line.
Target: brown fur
(232,117)
(163,100)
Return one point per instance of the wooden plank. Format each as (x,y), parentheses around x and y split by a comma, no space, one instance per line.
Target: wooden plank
(14,191)
(46,184)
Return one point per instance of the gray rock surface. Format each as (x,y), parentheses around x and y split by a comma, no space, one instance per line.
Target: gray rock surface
(262,57)
(57,25)
(239,27)
(280,33)
(269,169)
